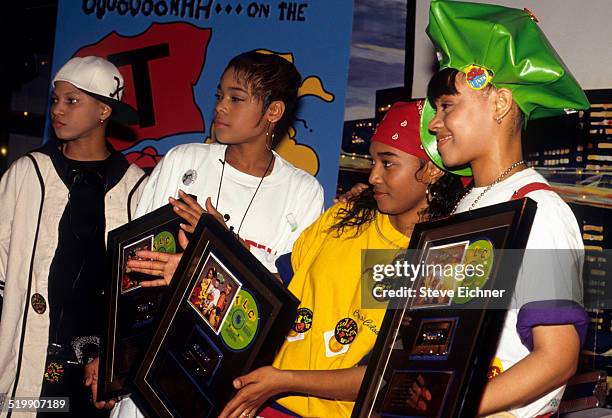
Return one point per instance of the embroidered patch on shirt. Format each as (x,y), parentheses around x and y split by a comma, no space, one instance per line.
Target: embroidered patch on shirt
(332,346)
(346,331)
(495,369)
(303,320)
(39,304)
(54,372)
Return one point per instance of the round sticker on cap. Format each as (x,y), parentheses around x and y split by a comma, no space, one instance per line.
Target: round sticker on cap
(164,242)
(477,77)
(430,145)
(240,327)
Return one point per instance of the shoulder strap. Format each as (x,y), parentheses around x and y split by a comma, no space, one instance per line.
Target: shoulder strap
(131,195)
(37,168)
(528,188)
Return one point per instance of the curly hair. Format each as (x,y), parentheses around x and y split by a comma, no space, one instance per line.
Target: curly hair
(442,197)
(269,77)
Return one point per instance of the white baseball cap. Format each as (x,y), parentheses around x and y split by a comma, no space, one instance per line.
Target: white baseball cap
(102,80)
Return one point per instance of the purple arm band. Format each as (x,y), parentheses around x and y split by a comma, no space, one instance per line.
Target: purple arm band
(550,312)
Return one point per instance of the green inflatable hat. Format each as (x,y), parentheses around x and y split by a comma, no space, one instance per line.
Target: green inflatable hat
(504,47)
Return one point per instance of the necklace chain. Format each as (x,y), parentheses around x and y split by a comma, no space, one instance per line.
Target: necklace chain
(382,236)
(489,187)
(254,194)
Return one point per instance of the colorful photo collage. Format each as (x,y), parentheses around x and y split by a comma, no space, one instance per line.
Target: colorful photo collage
(213,292)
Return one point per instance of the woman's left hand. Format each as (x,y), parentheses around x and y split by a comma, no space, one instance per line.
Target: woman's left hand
(188,209)
(191,211)
(255,389)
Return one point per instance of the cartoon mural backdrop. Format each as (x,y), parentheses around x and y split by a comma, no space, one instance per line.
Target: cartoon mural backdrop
(172,53)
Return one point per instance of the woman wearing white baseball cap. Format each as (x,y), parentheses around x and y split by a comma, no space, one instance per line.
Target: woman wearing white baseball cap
(56,206)
(101,80)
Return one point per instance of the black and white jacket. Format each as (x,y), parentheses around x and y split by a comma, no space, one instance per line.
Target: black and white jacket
(33,198)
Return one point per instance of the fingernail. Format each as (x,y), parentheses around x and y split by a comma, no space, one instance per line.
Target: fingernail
(237,384)
(176,208)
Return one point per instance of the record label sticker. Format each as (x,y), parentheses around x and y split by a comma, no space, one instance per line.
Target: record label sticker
(480,257)
(240,328)
(164,242)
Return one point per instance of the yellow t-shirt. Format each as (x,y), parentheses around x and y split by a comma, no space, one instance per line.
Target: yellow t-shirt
(335,331)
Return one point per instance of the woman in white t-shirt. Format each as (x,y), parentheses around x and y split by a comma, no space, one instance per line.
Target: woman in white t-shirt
(483,96)
(262,198)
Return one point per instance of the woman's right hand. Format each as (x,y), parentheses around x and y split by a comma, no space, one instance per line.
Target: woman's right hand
(254,389)
(157,264)
(91,381)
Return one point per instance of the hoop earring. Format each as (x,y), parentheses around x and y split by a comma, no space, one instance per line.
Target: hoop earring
(269,146)
(267,140)
(429,195)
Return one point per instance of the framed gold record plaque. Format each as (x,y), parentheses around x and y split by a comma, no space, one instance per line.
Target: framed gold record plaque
(228,315)
(434,348)
(133,310)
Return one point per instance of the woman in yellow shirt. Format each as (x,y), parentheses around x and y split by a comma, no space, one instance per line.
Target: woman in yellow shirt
(334,331)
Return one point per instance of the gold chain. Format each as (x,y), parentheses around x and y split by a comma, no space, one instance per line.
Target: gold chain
(500,178)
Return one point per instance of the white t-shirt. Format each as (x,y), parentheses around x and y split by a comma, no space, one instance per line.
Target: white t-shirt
(554,228)
(287,202)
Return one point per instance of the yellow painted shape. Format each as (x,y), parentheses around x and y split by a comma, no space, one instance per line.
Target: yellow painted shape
(312,86)
(301,156)
(288,56)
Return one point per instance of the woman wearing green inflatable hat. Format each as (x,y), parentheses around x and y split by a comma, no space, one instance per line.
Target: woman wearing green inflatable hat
(498,71)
